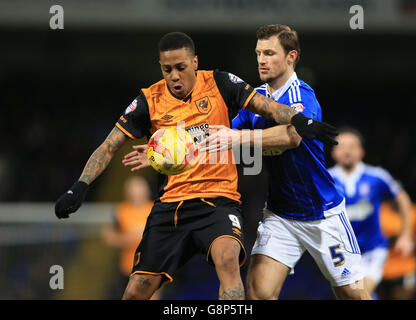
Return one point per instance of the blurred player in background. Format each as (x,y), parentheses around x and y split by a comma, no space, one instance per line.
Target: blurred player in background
(399,277)
(127,228)
(304,209)
(198,211)
(365,187)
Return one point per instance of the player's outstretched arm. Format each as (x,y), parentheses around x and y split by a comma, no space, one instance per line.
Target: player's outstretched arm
(283,114)
(71,200)
(284,136)
(222,138)
(102,156)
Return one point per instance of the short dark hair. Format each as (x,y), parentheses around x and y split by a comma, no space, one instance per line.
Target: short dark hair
(354,131)
(176,40)
(288,37)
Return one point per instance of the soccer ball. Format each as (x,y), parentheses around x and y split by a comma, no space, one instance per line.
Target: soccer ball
(171,150)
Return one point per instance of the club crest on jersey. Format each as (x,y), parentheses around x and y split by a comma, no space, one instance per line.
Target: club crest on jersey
(264,239)
(203,105)
(299,107)
(131,107)
(234,78)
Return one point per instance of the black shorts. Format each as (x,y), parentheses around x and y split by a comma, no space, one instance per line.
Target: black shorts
(176,231)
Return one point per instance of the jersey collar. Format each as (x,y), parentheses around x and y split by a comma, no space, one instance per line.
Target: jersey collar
(279,92)
(351,179)
(188,96)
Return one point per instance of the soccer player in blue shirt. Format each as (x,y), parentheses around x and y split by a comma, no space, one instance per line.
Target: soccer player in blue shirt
(304,209)
(365,187)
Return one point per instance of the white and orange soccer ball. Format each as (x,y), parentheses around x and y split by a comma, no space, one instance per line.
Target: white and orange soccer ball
(171,151)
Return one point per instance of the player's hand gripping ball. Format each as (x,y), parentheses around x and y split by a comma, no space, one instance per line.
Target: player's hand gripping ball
(171,151)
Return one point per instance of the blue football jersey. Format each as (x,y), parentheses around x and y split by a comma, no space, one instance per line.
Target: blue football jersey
(365,188)
(300,187)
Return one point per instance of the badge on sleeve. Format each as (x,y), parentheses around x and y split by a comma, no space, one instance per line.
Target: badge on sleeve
(234,78)
(299,107)
(131,107)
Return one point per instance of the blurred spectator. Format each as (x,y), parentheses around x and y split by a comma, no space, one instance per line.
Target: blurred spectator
(128,225)
(399,279)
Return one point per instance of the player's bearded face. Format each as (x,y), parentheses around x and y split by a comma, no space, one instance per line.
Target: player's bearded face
(271,58)
(349,151)
(179,70)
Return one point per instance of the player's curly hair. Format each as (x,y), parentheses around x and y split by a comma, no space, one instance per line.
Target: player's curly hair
(288,37)
(176,40)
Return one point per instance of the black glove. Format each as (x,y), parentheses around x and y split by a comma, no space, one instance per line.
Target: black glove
(71,200)
(314,129)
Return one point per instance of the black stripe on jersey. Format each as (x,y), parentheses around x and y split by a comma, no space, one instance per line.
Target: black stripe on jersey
(234,92)
(137,122)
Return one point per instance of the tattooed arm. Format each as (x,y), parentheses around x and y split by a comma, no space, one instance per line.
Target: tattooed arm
(268,108)
(306,127)
(101,157)
(71,200)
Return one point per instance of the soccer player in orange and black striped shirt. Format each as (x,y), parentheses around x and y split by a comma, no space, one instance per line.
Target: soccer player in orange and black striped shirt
(197,211)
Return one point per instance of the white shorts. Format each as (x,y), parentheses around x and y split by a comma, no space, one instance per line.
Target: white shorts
(372,263)
(331,242)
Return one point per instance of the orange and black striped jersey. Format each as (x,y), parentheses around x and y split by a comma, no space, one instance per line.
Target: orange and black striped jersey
(216,96)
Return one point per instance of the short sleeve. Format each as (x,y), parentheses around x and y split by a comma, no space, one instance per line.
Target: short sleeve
(304,100)
(135,121)
(390,188)
(235,91)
